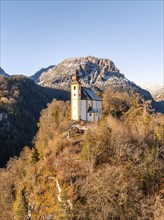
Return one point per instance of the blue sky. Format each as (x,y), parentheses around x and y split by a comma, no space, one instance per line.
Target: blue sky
(36,34)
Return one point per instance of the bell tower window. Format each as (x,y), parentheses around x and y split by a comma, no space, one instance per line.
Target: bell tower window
(74,87)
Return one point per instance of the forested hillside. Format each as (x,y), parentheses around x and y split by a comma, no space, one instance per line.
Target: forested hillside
(21,102)
(114,171)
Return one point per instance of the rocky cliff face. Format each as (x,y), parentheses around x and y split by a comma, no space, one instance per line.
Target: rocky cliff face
(2,73)
(157,91)
(37,76)
(96,73)
(158,95)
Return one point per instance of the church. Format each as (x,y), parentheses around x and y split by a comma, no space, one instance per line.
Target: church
(85,104)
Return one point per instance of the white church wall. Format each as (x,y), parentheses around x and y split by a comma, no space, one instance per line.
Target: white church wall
(75,110)
(93,104)
(97,117)
(90,117)
(75,102)
(89,103)
(83,110)
(99,107)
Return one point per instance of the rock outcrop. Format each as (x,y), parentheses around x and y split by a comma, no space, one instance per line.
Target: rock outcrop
(157,91)
(37,76)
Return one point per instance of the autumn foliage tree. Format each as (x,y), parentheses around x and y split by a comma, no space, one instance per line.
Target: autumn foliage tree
(114,171)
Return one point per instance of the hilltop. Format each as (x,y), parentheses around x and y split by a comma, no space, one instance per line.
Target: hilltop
(21,100)
(113,171)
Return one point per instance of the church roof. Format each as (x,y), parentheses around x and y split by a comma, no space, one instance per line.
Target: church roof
(88,94)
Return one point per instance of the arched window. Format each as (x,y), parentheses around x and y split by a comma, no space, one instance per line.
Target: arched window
(74,87)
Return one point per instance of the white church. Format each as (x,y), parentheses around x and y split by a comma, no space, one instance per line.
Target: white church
(85,104)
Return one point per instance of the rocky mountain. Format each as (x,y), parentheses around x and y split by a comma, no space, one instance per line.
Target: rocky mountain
(159,95)
(21,102)
(157,91)
(2,73)
(37,76)
(94,72)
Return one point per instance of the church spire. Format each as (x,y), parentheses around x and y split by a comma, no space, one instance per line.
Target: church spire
(75,77)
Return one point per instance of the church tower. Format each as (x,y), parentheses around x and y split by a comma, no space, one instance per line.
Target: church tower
(75,98)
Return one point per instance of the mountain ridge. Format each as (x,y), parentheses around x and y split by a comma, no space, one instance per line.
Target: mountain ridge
(36,76)
(97,73)
(3,73)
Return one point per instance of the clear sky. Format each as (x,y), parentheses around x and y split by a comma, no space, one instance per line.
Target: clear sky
(36,34)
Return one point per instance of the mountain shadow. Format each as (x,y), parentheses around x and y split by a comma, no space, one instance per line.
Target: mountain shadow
(21,102)
(158,106)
